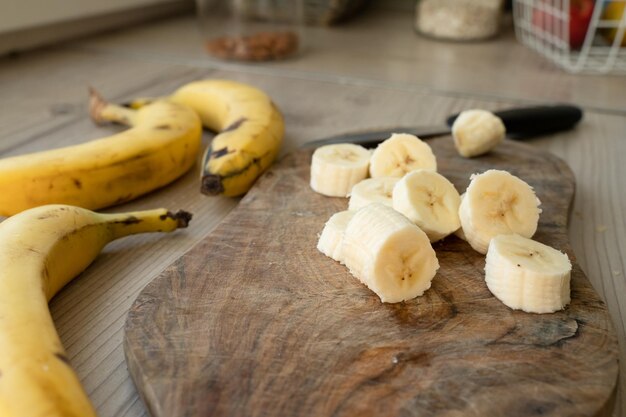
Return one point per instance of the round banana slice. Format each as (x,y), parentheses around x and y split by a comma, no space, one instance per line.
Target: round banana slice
(497,203)
(332,234)
(389,253)
(335,169)
(399,154)
(527,275)
(430,201)
(476,132)
(372,190)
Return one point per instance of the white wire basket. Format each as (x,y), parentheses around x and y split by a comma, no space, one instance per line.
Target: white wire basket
(544,25)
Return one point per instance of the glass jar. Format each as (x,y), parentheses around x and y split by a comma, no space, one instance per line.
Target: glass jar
(251,30)
(459,20)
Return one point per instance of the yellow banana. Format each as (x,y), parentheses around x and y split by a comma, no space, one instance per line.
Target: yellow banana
(42,249)
(161,145)
(250,131)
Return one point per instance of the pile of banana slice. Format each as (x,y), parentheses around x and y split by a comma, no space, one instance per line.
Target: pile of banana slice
(399,205)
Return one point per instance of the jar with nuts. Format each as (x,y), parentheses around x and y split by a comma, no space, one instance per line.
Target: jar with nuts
(459,20)
(251,30)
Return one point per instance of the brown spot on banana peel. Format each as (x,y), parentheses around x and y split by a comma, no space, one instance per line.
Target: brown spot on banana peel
(182,217)
(219,153)
(234,125)
(163,127)
(129,220)
(77,183)
(51,213)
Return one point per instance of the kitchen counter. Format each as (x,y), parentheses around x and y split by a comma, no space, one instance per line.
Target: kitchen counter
(371,72)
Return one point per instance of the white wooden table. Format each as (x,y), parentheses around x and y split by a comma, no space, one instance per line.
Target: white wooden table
(372,72)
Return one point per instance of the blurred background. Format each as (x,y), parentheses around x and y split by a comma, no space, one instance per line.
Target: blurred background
(580,36)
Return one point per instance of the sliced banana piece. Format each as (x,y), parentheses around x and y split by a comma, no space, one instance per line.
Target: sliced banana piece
(399,154)
(332,235)
(527,275)
(389,253)
(335,169)
(497,203)
(476,132)
(430,201)
(372,190)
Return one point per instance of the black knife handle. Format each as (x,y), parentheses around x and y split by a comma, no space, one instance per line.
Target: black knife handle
(529,122)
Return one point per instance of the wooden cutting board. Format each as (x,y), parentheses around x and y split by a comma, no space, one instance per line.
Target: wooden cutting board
(254,321)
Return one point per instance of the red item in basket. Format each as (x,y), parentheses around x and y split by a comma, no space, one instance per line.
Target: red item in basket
(579,18)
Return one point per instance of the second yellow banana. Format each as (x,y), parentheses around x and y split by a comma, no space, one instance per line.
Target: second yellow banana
(160,146)
(250,131)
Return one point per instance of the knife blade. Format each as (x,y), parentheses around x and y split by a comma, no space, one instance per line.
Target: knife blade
(521,123)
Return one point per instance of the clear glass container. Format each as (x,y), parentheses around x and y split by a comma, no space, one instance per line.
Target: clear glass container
(251,30)
(459,20)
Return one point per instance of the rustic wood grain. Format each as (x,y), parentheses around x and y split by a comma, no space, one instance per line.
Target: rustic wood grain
(254,321)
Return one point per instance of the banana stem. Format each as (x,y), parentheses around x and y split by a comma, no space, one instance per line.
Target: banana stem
(158,220)
(101,111)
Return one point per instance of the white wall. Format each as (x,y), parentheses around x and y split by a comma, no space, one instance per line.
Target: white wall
(29,24)
(25,14)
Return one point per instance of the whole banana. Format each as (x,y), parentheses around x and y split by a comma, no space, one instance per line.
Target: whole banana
(41,250)
(250,131)
(160,146)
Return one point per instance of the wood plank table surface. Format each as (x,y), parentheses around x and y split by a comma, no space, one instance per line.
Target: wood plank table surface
(371,72)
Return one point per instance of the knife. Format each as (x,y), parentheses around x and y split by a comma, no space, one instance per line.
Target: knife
(521,123)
